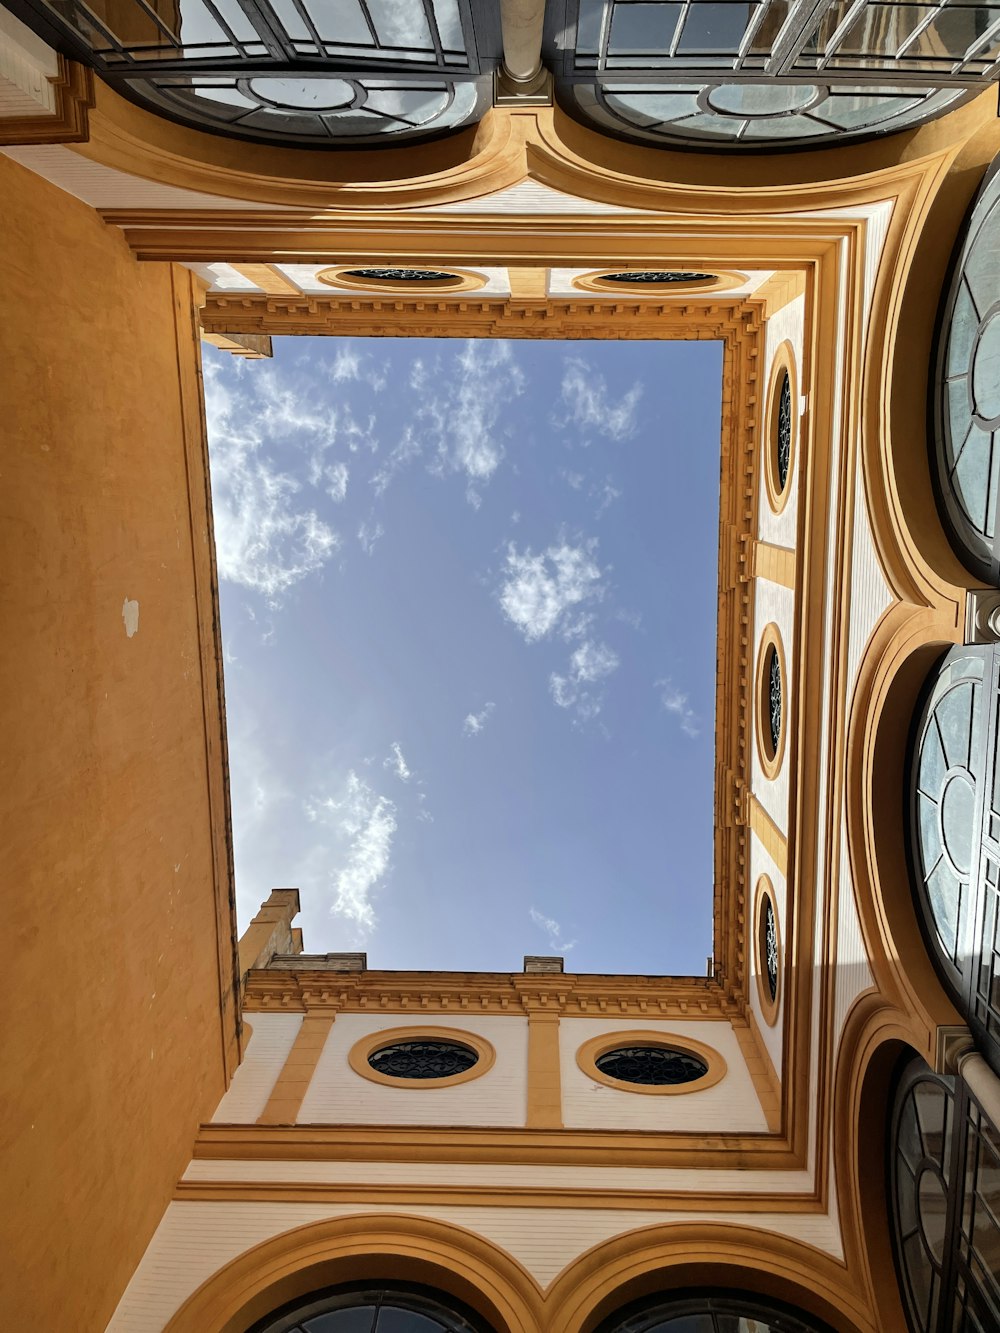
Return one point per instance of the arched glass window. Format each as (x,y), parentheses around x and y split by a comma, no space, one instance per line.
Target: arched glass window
(966,389)
(943,1201)
(374,1308)
(764,75)
(303,72)
(955,833)
(714,1312)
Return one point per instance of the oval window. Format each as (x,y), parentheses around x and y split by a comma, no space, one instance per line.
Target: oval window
(423,1059)
(651,1066)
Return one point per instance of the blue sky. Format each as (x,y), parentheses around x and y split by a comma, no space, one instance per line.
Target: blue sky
(468,605)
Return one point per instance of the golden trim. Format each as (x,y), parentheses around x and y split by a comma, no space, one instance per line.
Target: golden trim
(292,1083)
(764,892)
(721,280)
(358,1055)
(458,280)
(771,837)
(774,564)
(544,1071)
(770,761)
(782,363)
(74,95)
(591,1051)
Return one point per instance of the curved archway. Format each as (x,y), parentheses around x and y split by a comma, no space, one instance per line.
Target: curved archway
(662,1259)
(902,650)
(379,1247)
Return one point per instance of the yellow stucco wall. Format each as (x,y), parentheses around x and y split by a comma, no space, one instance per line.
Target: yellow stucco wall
(113,1040)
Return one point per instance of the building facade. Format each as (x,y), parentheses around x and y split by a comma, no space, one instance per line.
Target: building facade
(203,1133)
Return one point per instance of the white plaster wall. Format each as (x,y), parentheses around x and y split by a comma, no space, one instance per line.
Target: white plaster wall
(774,603)
(195,1240)
(264,1058)
(761,864)
(337,1095)
(787,323)
(730,1106)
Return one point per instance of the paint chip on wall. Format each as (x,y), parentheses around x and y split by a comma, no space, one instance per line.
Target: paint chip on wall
(130,615)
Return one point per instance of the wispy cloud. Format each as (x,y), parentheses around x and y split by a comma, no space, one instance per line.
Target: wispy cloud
(475,722)
(266,539)
(336,481)
(403,453)
(463,417)
(589,664)
(539,592)
(397,764)
(553,930)
(675,701)
(584,393)
(346,365)
(364,823)
(368,534)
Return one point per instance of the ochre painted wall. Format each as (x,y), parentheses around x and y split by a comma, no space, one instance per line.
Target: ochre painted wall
(117,942)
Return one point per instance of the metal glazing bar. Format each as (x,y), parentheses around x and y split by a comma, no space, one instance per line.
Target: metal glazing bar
(840,32)
(750,32)
(370,22)
(679,28)
(271,34)
(432,28)
(798,27)
(238,66)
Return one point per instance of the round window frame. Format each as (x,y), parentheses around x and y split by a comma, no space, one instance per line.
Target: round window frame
(459,280)
(770,763)
(591,1051)
(358,1056)
(770,1009)
(722,280)
(783,362)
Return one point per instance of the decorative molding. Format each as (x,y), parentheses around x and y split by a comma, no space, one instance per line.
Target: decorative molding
(571,996)
(591,1051)
(73,90)
(359,1054)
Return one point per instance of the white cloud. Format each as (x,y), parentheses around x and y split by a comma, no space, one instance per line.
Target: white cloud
(676,702)
(585,394)
(336,479)
(266,539)
(405,452)
(418,375)
(364,824)
(464,416)
(474,722)
(589,664)
(539,591)
(369,534)
(346,365)
(397,764)
(553,930)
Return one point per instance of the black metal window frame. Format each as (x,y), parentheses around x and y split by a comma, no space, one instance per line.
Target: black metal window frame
(423,1059)
(724,1308)
(651,1066)
(978,549)
(971,974)
(779,42)
(771,947)
(453,1316)
(783,432)
(962,1292)
(198,83)
(775,705)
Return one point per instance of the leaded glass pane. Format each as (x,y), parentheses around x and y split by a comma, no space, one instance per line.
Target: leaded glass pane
(774,699)
(399,274)
(304,71)
(423,1059)
(967,389)
(783,443)
(651,1065)
(656,276)
(771,949)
